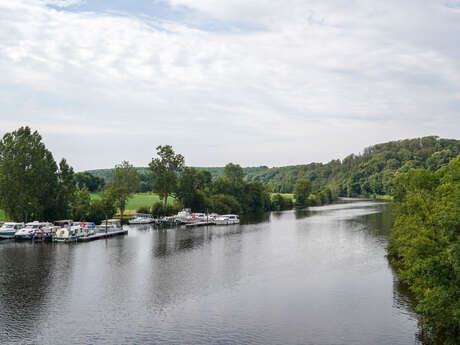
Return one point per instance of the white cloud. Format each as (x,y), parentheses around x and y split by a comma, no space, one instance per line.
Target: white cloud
(316,81)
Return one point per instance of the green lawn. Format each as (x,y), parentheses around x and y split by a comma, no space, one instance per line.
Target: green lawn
(285,195)
(140,200)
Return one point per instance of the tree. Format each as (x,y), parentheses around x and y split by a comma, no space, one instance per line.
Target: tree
(88,180)
(188,189)
(165,170)
(424,246)
(66,190)
(82,204)
(123,183)
(103,208)
(301,192)
(225,204)
(234,173)
(28,176)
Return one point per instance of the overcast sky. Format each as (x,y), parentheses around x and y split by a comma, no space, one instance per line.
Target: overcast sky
(247,81)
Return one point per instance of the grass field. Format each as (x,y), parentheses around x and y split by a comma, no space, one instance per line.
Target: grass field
(140,200)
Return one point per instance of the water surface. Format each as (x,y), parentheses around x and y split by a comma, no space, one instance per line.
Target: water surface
(318,276)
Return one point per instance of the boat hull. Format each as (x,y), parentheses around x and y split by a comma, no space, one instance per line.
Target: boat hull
(26,237)
(6,235)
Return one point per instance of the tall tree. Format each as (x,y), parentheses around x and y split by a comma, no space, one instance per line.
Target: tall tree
(66,190)
(123,183)
(190,189)
(234,173)
(165,170)
(28,176)
(301,192)
(81,205)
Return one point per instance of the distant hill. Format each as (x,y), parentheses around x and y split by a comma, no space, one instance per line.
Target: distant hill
(364,174)
(215,171)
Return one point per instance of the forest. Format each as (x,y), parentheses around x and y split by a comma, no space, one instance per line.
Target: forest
(424,246)
(368,174)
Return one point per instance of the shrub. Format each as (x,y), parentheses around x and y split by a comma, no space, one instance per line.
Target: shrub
(143,209)
(224,204)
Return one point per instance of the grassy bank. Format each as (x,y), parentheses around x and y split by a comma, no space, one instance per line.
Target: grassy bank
(140,200)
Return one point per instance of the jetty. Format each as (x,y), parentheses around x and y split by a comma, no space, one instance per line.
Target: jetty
(101,235)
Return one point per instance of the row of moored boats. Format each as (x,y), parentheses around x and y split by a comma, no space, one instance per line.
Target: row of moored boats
(186,217)
(59,231)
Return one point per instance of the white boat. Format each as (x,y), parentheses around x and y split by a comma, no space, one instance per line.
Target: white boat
(9,229)
(74,232)
(46,233)
(141,220)
(199,217)
(184,216)
(28,232)
(227,219)
(109,225)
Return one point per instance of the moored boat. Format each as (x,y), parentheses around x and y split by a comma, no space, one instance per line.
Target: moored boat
(109,225)
(9,229)
(227,219)
(74,232)
(140,219)
(28,232)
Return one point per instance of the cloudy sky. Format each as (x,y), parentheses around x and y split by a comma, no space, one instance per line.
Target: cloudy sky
(249,81)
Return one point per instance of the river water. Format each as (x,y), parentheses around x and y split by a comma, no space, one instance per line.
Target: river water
(318,276)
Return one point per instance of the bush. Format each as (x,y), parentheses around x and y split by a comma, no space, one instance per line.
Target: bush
(159,211)
(281,203)
(225,204)
(143,209)
(96,212)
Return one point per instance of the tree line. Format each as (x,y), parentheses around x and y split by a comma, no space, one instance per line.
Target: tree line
(368,174)
(424,246)
(33,186)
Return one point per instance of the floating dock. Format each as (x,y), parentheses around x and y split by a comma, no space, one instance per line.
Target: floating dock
(101,235)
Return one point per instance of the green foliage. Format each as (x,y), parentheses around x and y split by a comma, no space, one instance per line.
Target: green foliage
(28,177)
(367,174)
(301,192)
(215,172)
(82,205)
(281,203)
(234,173)
(102,208)
(424,245)
(3,216)
(191,186)
(255,198)
(145,181)
(143,209)
(158,209)
(225,204)
(165,170)
(66,190)
(123,183)
(91,182)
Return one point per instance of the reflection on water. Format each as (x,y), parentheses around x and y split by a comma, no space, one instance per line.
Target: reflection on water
(314,276)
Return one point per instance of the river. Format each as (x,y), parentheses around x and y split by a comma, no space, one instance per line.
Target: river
(318,276)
